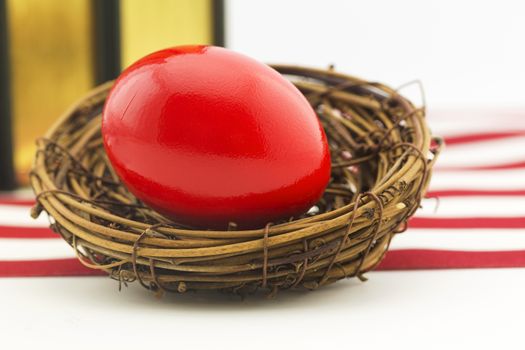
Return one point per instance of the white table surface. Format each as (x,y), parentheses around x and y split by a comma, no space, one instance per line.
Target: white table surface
(452,309)
(445,309)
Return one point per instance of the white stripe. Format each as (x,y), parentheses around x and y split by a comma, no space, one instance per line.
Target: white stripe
(508,179)
(486,153)
(464,239)
(18,215)
(482,206)
(471,121)
(448,128)
(34,249)
(479,206)
(493,115)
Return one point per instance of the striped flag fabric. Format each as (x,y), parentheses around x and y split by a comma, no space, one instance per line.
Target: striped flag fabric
(473,216)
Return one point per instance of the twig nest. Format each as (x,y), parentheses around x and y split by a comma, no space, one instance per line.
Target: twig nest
(381,157)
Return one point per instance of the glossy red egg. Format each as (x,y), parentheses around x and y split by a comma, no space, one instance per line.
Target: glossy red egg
(207,136)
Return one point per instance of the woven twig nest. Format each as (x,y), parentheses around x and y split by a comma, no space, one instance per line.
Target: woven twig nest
(381,163)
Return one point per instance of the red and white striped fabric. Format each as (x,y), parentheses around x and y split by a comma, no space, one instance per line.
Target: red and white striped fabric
(477,222)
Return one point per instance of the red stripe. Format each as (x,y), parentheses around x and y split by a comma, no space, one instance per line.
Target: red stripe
(462,222)
(506,166)
(467,193)
(16,201)
(38,268)
(26,232)
(405,259)
(488,136)
(415,259)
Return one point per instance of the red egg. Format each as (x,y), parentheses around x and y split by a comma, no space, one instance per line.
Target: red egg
(207,136)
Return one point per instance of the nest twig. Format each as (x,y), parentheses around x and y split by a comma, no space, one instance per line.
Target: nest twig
(381,164)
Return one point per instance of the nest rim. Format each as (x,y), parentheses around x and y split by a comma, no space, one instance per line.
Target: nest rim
(166,257)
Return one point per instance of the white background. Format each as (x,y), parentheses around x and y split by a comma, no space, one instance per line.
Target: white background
(466,53)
